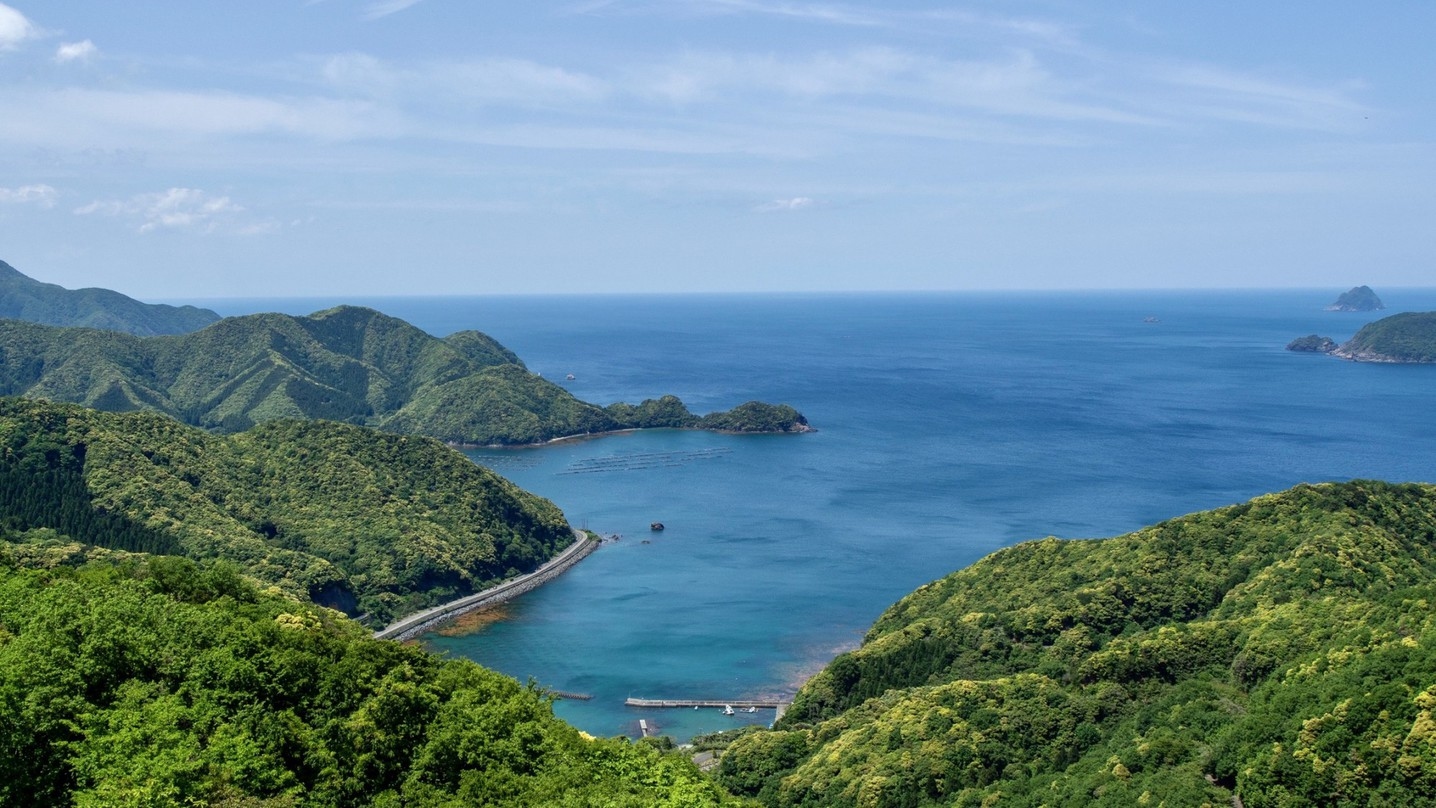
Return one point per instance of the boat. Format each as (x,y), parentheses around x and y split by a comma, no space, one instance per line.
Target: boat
(727,709)
(655,526)
(751,710)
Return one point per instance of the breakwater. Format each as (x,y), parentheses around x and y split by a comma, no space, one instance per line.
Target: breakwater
(419,622)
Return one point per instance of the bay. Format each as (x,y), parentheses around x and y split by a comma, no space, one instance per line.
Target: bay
(949,425)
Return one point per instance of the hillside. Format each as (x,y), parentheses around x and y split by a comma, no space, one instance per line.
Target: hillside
(1405,337)
(345,364)
(161,682)
(1282,651)
(353,518)
(24,298)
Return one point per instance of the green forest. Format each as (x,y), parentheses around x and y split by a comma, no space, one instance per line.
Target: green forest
(1282,651)
(158,681)
(348,364)
(359,520)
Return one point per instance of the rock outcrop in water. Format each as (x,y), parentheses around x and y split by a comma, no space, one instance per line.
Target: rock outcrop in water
(1360,298)
(1312,343)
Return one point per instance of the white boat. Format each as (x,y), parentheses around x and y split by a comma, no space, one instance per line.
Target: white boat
(727,709)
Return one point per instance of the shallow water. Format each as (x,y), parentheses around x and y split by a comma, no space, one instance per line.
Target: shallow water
(949,425)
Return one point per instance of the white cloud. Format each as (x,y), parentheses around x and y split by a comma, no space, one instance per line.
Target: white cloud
(780,205)
(179,208)
(76,52)
(14,28)
(42,195)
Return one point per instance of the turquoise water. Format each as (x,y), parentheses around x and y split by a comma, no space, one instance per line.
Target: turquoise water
(950,425)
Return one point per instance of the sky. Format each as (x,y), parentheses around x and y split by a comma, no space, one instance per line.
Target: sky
(281,148)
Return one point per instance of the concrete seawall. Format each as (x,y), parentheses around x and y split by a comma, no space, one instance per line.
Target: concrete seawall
(419,622)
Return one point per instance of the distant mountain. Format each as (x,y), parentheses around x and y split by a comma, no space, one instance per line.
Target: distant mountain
(24,298)
(1405,337)
(345,364)
(1359,299)
(1276,652)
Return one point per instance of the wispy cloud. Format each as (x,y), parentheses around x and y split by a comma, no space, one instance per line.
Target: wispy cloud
(80,117)
(785,205)
(82,51)
(14,28)
(383,8)
(819,12)
(179,209)
(515,81)
(42,195)
(1214,92)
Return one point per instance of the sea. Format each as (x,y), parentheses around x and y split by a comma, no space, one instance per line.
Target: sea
(948,425)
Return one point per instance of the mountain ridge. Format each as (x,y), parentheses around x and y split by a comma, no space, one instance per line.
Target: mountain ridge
(347,363)
(24,298)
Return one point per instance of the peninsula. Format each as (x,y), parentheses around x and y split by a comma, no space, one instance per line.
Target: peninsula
(1409,337)
(349,364)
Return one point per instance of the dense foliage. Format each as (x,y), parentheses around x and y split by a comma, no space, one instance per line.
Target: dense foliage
(23,298)
(1283,651)
(161,682)
(356,519)
(1361,298)
(345,364)
(1405,337)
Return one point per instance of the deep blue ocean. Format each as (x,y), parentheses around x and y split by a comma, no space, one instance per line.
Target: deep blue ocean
(949,425)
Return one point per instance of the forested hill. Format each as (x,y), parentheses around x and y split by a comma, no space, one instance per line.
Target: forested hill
(1406,337)
(345,364)
(353,518)
(160,682)
(1282,651)
(24,298)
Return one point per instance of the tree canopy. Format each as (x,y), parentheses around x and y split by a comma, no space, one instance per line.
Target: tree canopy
(158,681)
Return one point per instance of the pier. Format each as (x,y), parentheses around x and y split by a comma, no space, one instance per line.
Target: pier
(734,703)
(737,705)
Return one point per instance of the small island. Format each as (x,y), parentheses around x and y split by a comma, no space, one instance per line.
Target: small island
(1312,343)
(1360,298)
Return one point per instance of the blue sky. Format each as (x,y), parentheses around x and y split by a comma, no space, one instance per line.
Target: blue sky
(380,147)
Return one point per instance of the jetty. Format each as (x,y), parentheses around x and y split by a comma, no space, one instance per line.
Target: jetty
(416,624)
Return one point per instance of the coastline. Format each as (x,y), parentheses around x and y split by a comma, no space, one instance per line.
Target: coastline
(413,625)
(799,430)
